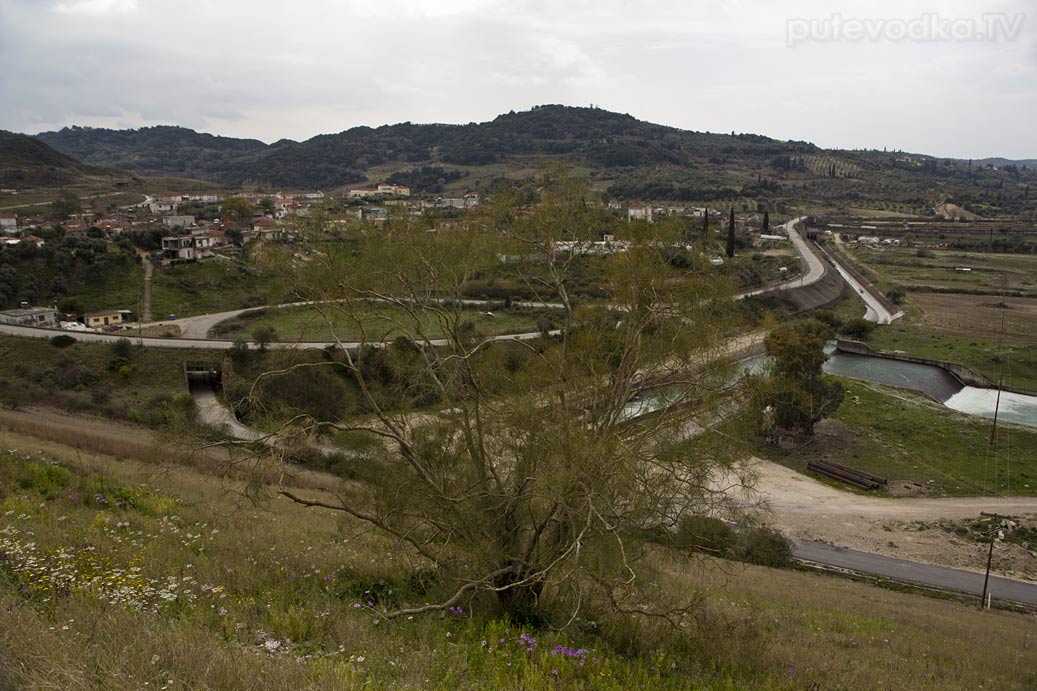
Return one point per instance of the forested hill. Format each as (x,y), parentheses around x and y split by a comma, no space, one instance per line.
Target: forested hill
(28,162)
(624,157)
(157,151)
(593,136)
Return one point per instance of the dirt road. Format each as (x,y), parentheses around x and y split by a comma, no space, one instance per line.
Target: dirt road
(904,528)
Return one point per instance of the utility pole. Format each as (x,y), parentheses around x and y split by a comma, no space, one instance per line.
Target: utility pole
(994,528)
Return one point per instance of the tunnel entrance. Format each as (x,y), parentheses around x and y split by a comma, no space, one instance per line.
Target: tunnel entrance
(203,375)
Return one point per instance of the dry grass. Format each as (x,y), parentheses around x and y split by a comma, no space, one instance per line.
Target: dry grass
(977,316)
(291,574)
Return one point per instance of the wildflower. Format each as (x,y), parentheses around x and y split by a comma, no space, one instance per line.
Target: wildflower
(529,641)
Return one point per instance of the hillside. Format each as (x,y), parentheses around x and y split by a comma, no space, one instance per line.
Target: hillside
(625,158)
(28,162)
(157,151)
(131,565)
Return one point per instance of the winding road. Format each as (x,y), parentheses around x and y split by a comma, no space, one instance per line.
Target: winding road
(194,330)
(914,572)
(792,507)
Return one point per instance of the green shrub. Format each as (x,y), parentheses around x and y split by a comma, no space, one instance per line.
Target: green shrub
(62,341)
(828,317)
(705,534)
(66,373)
(122,348)
(858,328)
(765,547)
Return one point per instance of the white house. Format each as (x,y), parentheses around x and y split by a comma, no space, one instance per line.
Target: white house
(639,212)
(182,221)
(163,207)
(30,316)
(9,223)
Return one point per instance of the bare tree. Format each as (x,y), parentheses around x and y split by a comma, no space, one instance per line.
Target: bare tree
(555,457)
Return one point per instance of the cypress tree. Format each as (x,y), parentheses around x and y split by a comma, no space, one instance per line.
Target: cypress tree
(731,235)
(705,223)
(766,221)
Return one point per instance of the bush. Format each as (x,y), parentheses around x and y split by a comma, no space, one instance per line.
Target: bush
(828,317)
(705,534)
(66,373)
(62,341)
(858,328)
(122,348)
(264,336)
(766,547)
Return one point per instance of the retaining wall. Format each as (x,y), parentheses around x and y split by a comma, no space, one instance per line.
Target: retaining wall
(965,374)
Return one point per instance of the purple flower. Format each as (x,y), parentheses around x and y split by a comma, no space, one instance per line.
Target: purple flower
(456,611)
(100,499)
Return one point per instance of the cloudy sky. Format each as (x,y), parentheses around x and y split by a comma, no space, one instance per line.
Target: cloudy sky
(950,77)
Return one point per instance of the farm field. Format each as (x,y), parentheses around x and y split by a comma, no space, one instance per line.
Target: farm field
(936,270)
(377,323)
(976,316)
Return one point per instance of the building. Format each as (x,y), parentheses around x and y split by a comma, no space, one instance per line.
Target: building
(182,221)
(188,247)
(394,190)
(382,190)
(40,317)
(639,212)
(163,207)
(99,320)
(8,223)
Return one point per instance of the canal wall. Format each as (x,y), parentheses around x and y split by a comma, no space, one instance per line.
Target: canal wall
(850,268)
(823,293)
(963,373)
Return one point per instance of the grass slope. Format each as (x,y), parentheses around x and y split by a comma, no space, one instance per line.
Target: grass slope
(129,574)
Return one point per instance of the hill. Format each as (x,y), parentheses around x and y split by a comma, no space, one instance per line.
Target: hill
(1002,162)
(157,151)
(129,564)
(29,162)
(625,158)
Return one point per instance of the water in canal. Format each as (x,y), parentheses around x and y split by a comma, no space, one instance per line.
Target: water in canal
(937,383)
(934,382)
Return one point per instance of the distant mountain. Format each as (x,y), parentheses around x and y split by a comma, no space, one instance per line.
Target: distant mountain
(28,162)
(598,137)
(1002,162)
(157,151)
(624,157)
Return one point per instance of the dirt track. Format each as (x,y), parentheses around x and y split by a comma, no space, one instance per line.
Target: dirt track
(896,527)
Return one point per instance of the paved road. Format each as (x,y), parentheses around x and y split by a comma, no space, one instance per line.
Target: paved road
(212,344)
(901,569)
(815,267)
(876,311)
(194,330)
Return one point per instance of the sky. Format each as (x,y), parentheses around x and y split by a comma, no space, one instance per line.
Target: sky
(944,77)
